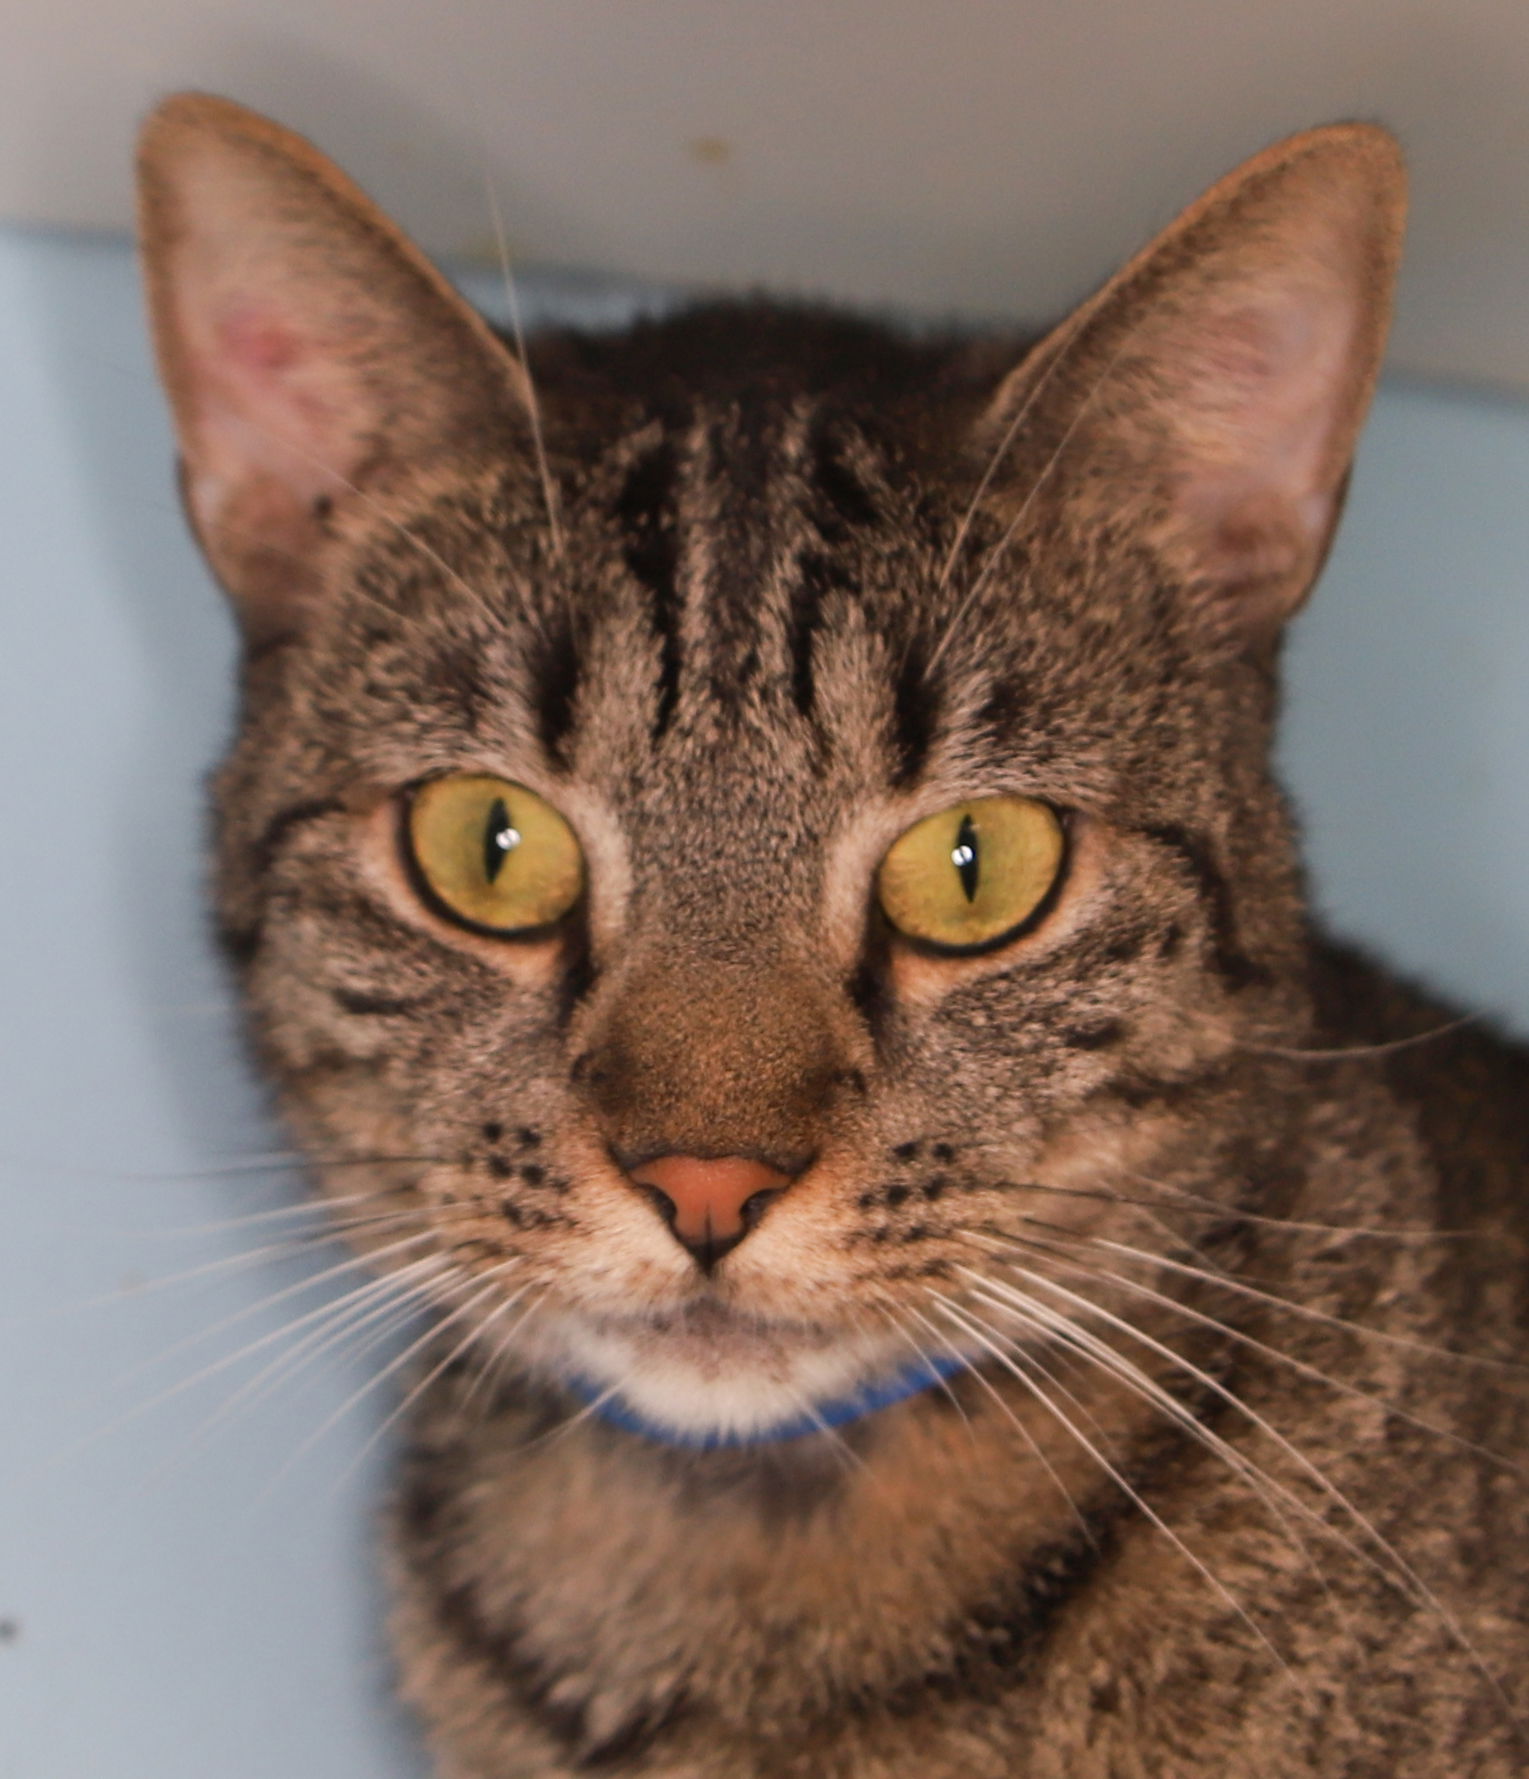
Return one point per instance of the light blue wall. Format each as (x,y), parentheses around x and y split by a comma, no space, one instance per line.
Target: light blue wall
(1406,738)
(193,1603)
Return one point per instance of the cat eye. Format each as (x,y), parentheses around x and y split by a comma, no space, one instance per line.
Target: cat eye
(975,876)
(493,855)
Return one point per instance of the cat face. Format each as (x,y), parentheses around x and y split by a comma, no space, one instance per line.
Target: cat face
(621,764)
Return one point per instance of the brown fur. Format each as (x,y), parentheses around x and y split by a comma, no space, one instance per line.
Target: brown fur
(788,584)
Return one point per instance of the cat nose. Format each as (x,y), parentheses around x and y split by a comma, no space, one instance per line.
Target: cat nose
(710,1204)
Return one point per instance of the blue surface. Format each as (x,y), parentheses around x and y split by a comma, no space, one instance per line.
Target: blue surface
(191,1597)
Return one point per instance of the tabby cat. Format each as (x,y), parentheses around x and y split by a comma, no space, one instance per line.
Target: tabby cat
(756,877)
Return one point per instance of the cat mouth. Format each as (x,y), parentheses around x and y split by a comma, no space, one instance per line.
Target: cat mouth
(717,1337)
(704,1373)
(710,1317)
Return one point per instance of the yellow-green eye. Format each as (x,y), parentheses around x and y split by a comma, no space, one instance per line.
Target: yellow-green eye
(972,876)
(494,854)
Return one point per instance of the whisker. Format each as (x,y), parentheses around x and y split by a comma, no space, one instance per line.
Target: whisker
(272,436)
(808,1409)
(1406,1233)
(391,1301)
(1228,1282)
(1352,1052)
(440,1293)
(500,1352)
(533,401)
(943,1384)
(1029,1438)
(475,595)
(1225,1329)
(585,1413)
(354,1263)
(1195,1205)
(1419,1589)
(996,554)
(128,1416)
(468,1341)
(248,1260)
(281,1160)
(1051,1324)
(979,1331)
(276,1161)
(315,1208)
(1000,451)
(370,1287)
(1232,1282)
(1272,1495)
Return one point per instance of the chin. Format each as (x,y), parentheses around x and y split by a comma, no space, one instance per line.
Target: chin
(705,1374)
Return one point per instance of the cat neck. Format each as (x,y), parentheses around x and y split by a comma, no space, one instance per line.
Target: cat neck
(606,1555)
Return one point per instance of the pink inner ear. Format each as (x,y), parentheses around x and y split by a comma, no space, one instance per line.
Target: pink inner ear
(1260,420)
(258,344)
(1250,346)
(273,409)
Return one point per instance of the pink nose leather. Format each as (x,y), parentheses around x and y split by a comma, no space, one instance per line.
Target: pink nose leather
(708,1196)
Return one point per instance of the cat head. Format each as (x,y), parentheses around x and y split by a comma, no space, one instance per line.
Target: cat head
(734,829)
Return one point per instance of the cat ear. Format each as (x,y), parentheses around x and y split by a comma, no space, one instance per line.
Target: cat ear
(309,350)
(1211,393)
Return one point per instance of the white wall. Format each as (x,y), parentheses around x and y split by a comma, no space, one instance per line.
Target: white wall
(991,156)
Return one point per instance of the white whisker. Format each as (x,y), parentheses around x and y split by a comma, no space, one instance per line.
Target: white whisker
(316,1208)
(328,1324)
(1189,1201)
(1000,451)
(1031,1442)
(260,1257)
(468,1341)
(1402,1573)
(944,1385)
(1010,531)
(500,1352)
(1231,1282)
(438,1290)
(135,1413)
(533,401)
(383,1305)
(978,1331)
(1274,1496)
(1360,1052)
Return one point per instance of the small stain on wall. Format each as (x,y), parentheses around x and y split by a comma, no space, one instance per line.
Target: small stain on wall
(709,151)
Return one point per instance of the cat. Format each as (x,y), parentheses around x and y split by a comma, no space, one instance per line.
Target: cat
(760,843)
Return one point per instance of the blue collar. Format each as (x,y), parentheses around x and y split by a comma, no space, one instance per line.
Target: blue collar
(921,1374)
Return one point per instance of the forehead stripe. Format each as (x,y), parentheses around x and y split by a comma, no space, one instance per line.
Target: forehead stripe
(555,670)
(646,514)
(916,703)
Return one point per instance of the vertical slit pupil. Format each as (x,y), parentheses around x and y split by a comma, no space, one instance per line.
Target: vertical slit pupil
(500,838)
(964,857)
